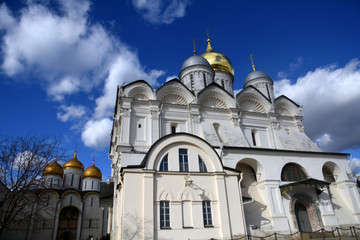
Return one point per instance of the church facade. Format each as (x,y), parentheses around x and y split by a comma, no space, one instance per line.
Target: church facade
(193,160)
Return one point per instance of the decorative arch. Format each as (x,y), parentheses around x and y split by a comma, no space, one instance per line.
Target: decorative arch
(164,195)
(169,142)
(213,96)
(293,172)
(186,195)
(285,106)
(251,100)
(174,92)
(139,90)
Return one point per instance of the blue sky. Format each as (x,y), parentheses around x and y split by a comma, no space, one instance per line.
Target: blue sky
(60,61)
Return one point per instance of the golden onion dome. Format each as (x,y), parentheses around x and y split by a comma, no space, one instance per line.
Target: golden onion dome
(53,168)
(92,172)
(74,163)
(218,61)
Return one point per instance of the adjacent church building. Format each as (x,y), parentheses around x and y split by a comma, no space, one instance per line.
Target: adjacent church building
(192,160)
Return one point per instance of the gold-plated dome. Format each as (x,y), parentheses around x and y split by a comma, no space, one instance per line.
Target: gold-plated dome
(92,172)
(218,61)
(54,168)
(74,163)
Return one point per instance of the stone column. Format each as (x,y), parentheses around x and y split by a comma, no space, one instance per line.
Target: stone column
(223,206)
(148,224)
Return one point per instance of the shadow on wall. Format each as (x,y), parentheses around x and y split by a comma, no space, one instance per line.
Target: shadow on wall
(255,217)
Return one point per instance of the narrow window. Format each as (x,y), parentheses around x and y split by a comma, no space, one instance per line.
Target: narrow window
(164,164)
(222,83)
(173,129)
(85,184)
(183,160)
(207,214)
(47,200)
(253,136)
(64,182)
(89,223)
(51,180)
(204,79)
(92,184)
(139,125)
(192,81)
(92,201)
(202,166)
(72,179)
(164,214)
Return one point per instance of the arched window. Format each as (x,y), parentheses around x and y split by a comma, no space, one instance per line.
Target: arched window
(292,172)
(173,128)
(164,164)
(202,166)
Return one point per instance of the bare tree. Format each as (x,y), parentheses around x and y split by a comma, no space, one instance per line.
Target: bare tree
(22,160)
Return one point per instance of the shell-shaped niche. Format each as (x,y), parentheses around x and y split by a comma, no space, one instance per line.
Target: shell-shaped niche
(283,111)
(251,105)
(213,102)
(174,98)
(140,96)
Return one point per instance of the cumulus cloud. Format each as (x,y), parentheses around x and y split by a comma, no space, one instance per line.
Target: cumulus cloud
(170,78)
(330,97)
(161,11)
(355,165)
(67,54)
(71,112)
(96,133)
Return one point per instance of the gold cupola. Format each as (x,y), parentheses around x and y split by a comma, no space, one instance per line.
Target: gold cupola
(92,172)
(53,168)
(74,163)
(218,61)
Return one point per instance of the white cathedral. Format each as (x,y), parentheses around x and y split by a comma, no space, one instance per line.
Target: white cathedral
(191,160)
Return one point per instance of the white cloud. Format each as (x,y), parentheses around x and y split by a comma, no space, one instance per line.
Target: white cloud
(68,54)
(161,11)
(170,78)
(292,68)
(71,112)
(330,96)
(96,133)
(355,165)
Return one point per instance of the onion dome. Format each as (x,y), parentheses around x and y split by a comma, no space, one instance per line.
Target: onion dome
(74,163)
(256,74)
(53,168)
(195,60)
(92,172)
(218,61)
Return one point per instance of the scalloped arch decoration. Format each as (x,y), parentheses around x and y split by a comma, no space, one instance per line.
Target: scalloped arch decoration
(165,195)
(251,105)
(140,96)
(174,98)
(283,111)
(213,102)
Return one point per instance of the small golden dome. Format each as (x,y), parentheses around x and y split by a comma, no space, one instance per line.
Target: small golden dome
(74,163)
(54,168)
(218,61)
(92,172)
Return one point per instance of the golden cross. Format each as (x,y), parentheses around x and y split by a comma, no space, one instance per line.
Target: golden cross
(194,47)
(207,33)
(252,62)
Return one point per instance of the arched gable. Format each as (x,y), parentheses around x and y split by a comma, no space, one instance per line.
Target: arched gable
(251,100)
(139,90)
(213,96)
(292,171)
(285,106)
(174,92)
(170,145)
